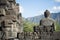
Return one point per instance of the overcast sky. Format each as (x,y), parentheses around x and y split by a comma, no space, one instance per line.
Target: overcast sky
(30,8)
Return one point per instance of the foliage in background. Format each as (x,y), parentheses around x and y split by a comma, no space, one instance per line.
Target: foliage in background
(57,27)
(28,26)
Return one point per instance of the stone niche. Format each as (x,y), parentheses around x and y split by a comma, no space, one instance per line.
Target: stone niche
(12,18)
(8,22)
(11,0)
(3,2)
(2,12)
(11,6)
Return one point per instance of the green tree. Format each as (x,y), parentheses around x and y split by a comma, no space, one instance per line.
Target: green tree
(28,26)
(57,27)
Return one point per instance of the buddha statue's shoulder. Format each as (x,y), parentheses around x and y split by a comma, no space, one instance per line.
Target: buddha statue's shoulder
(48,19)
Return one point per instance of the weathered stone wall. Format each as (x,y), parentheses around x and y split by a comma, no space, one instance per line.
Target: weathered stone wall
(10,19)
(35,36)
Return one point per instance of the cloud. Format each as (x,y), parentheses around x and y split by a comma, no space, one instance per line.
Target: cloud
(54,9)
(21,9)
(57,0)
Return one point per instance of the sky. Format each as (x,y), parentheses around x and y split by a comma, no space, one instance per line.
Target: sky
(31,8)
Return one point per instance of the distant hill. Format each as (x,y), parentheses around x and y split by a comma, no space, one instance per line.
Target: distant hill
(36,19)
